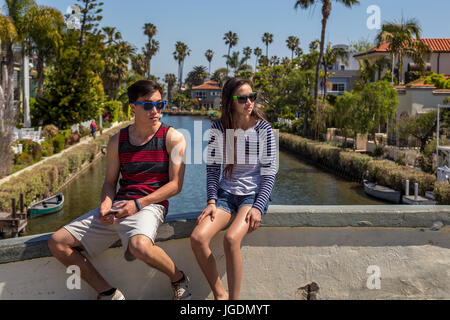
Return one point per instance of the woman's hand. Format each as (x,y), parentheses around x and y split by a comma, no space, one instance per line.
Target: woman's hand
(210,210)
(253,218)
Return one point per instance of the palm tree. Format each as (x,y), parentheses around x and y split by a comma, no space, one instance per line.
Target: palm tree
(180,53)
(44,28)
(257,52)
(171,80)
(292,43)
(112,35)
(326,10)
(274,60)
(330,58)
(151,48)
(197,76)
(267,38)
(139,64)
(150,31)
(209,54)
(404,40)
(298,51)
(247,51)
(231,39)
(236,63)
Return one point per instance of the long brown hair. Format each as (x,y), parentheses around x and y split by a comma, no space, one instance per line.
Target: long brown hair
(228,117)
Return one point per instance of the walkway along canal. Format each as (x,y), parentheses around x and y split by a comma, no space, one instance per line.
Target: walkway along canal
(297,183)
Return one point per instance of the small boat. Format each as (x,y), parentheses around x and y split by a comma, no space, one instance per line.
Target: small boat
(46,206)
(381,192)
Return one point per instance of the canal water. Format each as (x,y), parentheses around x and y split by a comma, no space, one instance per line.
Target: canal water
(297,183)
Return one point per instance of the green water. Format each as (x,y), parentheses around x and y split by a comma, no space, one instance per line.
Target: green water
(297,183)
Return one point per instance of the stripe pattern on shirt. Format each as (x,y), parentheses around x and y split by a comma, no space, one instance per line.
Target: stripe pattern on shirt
(144,168)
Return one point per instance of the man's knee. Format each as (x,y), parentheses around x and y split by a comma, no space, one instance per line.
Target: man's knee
(61,241)
(141,246)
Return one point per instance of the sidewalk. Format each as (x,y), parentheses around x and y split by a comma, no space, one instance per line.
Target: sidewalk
(83,140)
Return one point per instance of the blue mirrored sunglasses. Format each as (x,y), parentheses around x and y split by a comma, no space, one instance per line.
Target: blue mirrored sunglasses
(159,105)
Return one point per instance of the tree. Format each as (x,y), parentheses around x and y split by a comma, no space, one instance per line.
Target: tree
(180,53)
(247,51)
(236,63)
(209,54)
(267,39)
(292,43)
(139,64)
(231,39)
(257,52)
(330,58)
(74,89)
(116,55)
(197,76)
(274,60)
(44,30)
(422,127)
(326,10)
(220,76)
(171,80)
(404,40)
(152,46)
(298,51)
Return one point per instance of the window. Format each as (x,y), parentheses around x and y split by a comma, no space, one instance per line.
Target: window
(338,87)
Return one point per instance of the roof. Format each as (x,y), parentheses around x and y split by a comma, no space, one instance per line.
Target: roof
(208,85)
(435,45)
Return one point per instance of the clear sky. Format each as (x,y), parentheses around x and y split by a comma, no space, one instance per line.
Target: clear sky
(201,24)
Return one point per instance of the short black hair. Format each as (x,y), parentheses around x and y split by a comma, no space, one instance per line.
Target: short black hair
(141,88)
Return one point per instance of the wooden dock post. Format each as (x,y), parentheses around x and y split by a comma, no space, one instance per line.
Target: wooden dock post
(13,206)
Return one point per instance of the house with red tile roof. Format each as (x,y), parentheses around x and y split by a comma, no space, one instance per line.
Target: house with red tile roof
(438,62)
(207,94)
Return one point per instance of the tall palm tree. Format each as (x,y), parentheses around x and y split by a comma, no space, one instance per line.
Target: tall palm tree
(404,40)
(171,80)
(326,10)
(180,53)
(236,63)
(209,54)
(150,31)
(267,39)
(231,39)
(257,52)
(151,48)
(292,43)
(44,29)
(330,58)
(247,51)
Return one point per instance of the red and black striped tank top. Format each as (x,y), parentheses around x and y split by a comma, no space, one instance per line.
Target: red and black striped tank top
(144,168)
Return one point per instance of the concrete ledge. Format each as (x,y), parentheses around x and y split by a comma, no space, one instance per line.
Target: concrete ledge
(181,226)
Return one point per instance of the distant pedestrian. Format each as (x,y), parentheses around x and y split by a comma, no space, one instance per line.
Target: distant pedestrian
(93,128)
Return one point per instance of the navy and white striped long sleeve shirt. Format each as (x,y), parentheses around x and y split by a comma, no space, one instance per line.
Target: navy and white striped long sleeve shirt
(255,159)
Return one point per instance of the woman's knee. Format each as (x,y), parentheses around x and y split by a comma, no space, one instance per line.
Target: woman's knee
(199,239)
(231,240)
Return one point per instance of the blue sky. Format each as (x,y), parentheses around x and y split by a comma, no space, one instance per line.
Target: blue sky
(201,24)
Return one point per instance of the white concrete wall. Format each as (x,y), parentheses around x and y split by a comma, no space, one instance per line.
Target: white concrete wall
(418,100)
(414,264)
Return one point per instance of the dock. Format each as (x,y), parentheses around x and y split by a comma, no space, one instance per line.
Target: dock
(13,222)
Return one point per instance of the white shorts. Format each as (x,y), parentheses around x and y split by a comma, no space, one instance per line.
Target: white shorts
(97,237)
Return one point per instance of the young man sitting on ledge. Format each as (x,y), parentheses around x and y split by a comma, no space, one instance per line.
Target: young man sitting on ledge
(150,156)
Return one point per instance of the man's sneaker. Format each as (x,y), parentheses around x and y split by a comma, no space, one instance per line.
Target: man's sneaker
(117,295)
(181,288)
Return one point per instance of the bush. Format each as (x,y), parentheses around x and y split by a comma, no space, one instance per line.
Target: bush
(47,148)
(378,152)
(49,131)
(442,192)
(113,107)
(58,143)
(73,139)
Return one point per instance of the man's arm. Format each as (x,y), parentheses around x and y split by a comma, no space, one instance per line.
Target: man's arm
(176,148)
(112,174)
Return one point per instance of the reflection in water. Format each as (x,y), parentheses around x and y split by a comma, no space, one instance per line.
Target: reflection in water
(297,183)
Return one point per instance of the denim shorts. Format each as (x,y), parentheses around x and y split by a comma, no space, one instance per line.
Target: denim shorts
(231,203)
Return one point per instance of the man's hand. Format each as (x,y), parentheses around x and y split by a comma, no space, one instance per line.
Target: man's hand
(210,210)
(126,209)
(254,219)
(104,215)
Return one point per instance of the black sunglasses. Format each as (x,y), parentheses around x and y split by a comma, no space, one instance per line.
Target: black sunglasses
(149,105)
(243,99)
